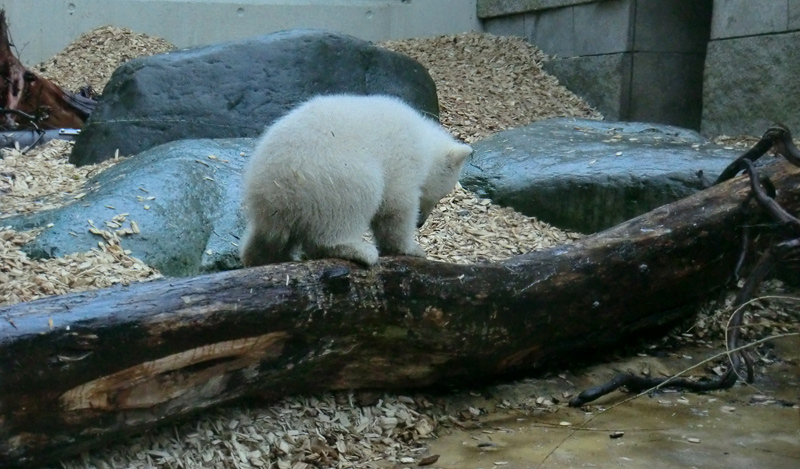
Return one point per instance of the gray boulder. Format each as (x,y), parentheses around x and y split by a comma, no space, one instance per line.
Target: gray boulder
(184,196)
(236,89)
(588,175)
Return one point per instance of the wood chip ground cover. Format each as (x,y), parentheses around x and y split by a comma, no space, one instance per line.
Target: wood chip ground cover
(485,84)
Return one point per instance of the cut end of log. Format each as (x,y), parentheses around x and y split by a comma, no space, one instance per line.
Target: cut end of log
(30,101)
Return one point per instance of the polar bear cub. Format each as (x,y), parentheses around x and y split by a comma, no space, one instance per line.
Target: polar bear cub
(337,165)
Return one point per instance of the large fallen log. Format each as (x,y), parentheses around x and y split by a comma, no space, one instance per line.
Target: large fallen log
(79,369)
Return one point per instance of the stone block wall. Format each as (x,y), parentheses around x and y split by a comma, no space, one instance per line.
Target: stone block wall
(752,67)
(636,60)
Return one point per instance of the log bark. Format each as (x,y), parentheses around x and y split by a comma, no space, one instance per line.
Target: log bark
(78,369)
(30,101)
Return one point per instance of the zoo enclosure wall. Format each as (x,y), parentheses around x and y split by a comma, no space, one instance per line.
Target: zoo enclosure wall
(723,66)
(42,28)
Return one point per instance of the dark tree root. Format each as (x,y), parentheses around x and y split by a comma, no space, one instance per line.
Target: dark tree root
(779,137)
(763,192)
(637,384)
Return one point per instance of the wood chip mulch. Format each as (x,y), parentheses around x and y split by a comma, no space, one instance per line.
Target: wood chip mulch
(93,57)
(488,83)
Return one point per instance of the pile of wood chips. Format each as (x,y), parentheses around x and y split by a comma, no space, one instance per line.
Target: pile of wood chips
(296,433)
(23,279)
(485,84)
(41,178)
(93,57)
(464,229)
(488,83)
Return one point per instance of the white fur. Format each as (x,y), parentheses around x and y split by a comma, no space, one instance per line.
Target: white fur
(337,165)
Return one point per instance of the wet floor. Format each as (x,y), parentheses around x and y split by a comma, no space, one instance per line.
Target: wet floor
(754,426)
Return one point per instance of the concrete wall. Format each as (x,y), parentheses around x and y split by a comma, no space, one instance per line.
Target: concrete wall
(739,18)
(752,67)
(41,28)
(493,8)
(632,59)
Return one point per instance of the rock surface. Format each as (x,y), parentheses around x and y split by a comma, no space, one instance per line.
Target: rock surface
(588,175)
(236,89)
(184,196)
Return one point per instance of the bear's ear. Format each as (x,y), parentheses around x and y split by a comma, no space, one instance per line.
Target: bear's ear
(458,154)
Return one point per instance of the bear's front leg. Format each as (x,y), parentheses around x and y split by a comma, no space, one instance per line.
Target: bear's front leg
(394,232)
(358,250)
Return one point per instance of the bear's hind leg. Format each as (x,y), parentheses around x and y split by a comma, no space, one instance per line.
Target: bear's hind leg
(261,249)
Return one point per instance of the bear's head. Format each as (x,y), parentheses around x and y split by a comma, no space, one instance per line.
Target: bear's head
(442,177)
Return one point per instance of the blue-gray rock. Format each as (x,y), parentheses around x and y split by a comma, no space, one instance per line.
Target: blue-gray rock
(589,175)
(185,196)
(236,89)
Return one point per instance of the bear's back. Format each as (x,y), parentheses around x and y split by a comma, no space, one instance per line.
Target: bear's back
(379,120)
(357,130)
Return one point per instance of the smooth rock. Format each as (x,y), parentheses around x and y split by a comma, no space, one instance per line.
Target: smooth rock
(185,196)
(236,89)
(588,175)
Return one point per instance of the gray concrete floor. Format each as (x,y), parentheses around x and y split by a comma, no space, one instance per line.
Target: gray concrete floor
(736,428)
